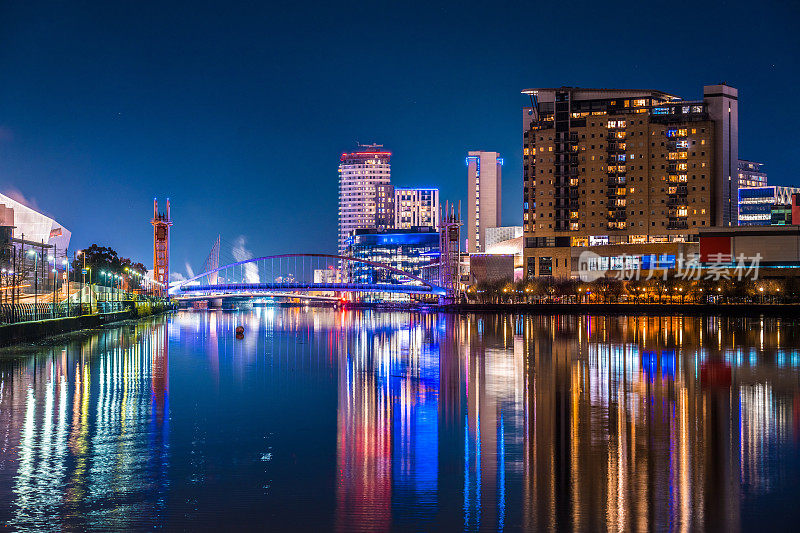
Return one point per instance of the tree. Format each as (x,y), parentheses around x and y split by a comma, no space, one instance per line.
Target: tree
(105,259)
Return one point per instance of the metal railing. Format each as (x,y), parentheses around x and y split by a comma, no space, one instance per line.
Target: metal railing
(30,312)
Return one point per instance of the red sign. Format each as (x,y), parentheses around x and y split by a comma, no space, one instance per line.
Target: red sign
(714,246)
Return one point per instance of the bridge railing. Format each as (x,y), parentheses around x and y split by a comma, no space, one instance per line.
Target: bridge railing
(310,287)
(307,272)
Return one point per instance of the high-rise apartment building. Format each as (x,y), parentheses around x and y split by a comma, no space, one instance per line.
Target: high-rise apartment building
(360,175)
(384,206)
(608,167)
(416,208)
(751,174)
(484,182)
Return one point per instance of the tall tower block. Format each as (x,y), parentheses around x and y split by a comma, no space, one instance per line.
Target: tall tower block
(161,223)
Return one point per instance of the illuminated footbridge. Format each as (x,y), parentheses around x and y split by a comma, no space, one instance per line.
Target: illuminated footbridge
(308,276)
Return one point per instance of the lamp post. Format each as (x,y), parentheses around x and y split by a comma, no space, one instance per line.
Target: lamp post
(83,280)
(65,262)
(55,289)
(35,254)
(49,260)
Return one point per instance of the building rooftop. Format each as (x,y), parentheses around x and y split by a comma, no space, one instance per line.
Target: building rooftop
(599,93)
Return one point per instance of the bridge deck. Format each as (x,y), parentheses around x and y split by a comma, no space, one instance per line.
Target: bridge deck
(307,287)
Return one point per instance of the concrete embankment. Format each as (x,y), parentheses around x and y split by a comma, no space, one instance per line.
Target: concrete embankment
(35,330)
(649,309)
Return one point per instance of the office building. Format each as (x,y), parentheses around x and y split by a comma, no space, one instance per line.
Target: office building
(360,174)
(416,207)
(632,168)
(781,214)
(484,183)
(502,233)
(758,205)
(408,250)
(751,174)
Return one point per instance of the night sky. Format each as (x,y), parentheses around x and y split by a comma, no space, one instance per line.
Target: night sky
(238,111)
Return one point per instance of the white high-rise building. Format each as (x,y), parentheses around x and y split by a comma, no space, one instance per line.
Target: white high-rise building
(484,180)
(416,207)
(360,173)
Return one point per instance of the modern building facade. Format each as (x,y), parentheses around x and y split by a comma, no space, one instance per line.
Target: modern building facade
(360,175)
(624,167)
(758,205)
(777,247)
(34,227)
(752,174)
(502,233)
(408,250)
(416,207)
(491,268)
(484,183)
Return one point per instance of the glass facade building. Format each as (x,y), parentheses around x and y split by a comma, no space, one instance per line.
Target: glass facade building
(751,174)
(408,250)
(756,204)
(32,226)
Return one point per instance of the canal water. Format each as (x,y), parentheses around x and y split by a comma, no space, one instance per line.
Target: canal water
(317,419)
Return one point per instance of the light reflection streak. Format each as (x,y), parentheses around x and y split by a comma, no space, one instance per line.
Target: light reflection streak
(483,421)
(83,443)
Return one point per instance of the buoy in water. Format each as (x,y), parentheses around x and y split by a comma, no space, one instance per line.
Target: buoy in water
(240,330)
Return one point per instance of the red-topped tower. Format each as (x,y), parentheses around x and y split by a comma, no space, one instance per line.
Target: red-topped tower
(161,223)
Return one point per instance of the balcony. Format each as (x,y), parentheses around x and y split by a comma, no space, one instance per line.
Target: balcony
(676,201)
(615,147)
(677,224)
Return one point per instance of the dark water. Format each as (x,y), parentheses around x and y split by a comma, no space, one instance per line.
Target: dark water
(320,420)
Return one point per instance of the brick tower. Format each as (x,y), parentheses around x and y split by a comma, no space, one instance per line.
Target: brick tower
(161,223)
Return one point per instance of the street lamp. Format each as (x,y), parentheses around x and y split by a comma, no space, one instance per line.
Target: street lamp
(103,275)
(35,254)
(65,262)
(55,288)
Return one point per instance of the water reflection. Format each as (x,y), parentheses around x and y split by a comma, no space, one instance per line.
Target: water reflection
(563,422)
(368,420)
(84,432)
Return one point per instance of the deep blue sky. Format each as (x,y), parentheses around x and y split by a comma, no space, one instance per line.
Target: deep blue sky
(238,111)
